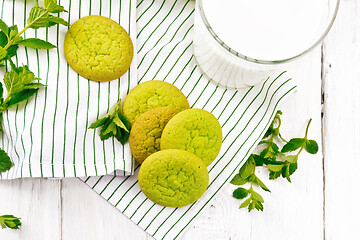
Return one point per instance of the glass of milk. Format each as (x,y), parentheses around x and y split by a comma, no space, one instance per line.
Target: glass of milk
(238,43)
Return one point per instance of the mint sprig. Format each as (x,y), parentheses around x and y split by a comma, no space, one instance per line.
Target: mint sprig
(9,221)
(278,162)
(10,37)
(113,124)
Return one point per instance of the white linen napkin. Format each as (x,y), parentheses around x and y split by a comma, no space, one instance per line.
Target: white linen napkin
(164,43)
(48,136)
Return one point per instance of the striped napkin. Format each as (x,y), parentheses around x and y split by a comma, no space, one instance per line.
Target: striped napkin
(164,48)
(48,136)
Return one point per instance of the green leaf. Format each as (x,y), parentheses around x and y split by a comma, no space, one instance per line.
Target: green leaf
(4,28)
(259,206)
(311,146)
(248,168)
(40,17)
(12,51)
(274,148)
(36,43)
(256,196)
(3,39)
(292,168)
(274,175)
(293,145)
(240,193)
(286,172)
(259,161)
(9,221)
(56,20)
(33,85)
(17,78)
(122,135)
(290,158)
(119,123)
(13,31)
(100,122)
(51,6)
(5,162)
(268,132)
(274,168)
(21,97)
(3,53)
(261,184)
(107,131)
(1,93)
(255,205)
(124,119)
(245,203)
(238,180)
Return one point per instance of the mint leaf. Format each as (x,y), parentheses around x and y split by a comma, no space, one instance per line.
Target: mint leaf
(100,122)
(40,17)
(311,146)
(51,6)
(259,206)
(248,168)
(254,195)
(113,124)
(56,20)
(274,168)
(255,205)
(286,172)
(245,203)
(107,131)
(293,145)
(3,53)
(5,162)
(36,43)
(274,175)
(20,97)
(290,158)
(261,184)
(259,161)
(4,28)
(240,193)
(120,123)
(9,221)
(122,135)
(17,79)
(292,168)
(238,180)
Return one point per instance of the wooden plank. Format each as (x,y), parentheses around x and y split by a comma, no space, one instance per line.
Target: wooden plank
(86,215)
(37,202)
(341,126)
(291,211)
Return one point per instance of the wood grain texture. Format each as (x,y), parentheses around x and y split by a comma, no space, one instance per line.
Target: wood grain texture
(37,202)
(341,74)
(86,215)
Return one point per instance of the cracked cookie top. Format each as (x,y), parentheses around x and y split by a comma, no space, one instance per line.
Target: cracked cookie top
(98,48)
(194,130)
(173,178)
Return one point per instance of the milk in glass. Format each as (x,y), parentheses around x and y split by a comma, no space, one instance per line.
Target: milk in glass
(238,43)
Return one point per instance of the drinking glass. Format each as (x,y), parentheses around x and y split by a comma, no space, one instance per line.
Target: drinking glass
(220,62)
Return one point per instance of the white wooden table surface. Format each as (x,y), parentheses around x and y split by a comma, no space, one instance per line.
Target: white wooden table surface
(320,203)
